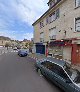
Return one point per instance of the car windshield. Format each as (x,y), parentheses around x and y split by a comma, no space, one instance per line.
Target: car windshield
(73,73)
(23,50)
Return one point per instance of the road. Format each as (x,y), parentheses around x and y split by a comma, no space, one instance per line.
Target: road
(5,50)
(18,74)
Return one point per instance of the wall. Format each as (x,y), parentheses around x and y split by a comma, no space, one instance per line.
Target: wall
(67,53)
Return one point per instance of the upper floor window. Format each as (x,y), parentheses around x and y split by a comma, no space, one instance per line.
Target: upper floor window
(53,3)
(77,24)
(57,13)
(41,37)
(52,33)
(77,3)
(41,24)
(47,20)
(53,16)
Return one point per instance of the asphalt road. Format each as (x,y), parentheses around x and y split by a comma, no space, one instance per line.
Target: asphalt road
(17,74)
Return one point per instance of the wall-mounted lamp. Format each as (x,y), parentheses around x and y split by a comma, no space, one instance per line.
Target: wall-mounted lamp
(59,30)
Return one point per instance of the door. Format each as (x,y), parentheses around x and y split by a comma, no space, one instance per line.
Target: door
(40,49)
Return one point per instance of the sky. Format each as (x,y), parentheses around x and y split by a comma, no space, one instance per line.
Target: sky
(17,16)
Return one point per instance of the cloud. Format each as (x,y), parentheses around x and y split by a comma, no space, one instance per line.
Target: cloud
(17,16)
(26,10)
(28,36)
(29,11)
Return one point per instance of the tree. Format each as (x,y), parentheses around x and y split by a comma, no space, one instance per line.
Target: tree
(27,44)
(30,44)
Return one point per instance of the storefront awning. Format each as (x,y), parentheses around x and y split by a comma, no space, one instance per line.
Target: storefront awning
(61,43)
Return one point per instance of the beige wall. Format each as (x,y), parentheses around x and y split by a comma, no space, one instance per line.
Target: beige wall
(67,53)
(3,42)
(36,33)
(68,13)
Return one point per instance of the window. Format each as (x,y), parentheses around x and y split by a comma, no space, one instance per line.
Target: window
(48,65)
(77,24)
(51,3)
(41,24)
(52,33)
(77,3)
(60,72)
(53,16)
(57,13)
(55,68)
(45,63)
(50,18)
(47,20)
(41,37)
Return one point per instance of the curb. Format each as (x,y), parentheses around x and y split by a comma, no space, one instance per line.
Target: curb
(33,58)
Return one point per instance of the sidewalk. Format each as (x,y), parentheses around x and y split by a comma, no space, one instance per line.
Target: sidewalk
(37,56)
(40,56)
(76,67)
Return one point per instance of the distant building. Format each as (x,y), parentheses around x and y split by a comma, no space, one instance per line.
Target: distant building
(3,42)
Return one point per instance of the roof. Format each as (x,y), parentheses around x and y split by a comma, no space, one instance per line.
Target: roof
(57,61)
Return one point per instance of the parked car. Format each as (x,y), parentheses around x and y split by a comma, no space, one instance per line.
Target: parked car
(59,73)
(15,48)
(22,53)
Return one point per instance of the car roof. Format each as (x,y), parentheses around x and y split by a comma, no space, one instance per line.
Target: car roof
(56,61)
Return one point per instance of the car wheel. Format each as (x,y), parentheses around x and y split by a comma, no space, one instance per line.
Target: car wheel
(20,55)
(39,71)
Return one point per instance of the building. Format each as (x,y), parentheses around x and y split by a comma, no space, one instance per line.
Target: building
(58,29)
(3,42)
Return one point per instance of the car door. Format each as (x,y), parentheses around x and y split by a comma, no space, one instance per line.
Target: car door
(47,69)
(64,80)
(50,67)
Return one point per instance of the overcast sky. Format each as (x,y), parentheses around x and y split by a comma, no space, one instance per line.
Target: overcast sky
(17,16)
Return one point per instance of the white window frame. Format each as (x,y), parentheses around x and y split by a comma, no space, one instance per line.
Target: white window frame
(77,3)
(52,32)
(57,11)
(75,23)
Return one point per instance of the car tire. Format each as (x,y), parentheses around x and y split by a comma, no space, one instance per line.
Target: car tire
(20,55)
(39,72)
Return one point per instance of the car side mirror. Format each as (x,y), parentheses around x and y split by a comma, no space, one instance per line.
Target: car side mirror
(68,81)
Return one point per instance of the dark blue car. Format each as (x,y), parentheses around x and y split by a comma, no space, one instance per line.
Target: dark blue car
(22,53)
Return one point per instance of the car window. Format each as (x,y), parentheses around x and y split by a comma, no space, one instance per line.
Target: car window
(61,72)
(46,64)
(55,68)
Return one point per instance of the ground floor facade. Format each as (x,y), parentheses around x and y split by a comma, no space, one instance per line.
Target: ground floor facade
(67,50)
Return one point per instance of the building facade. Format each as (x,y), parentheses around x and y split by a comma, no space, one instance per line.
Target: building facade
(58,29)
